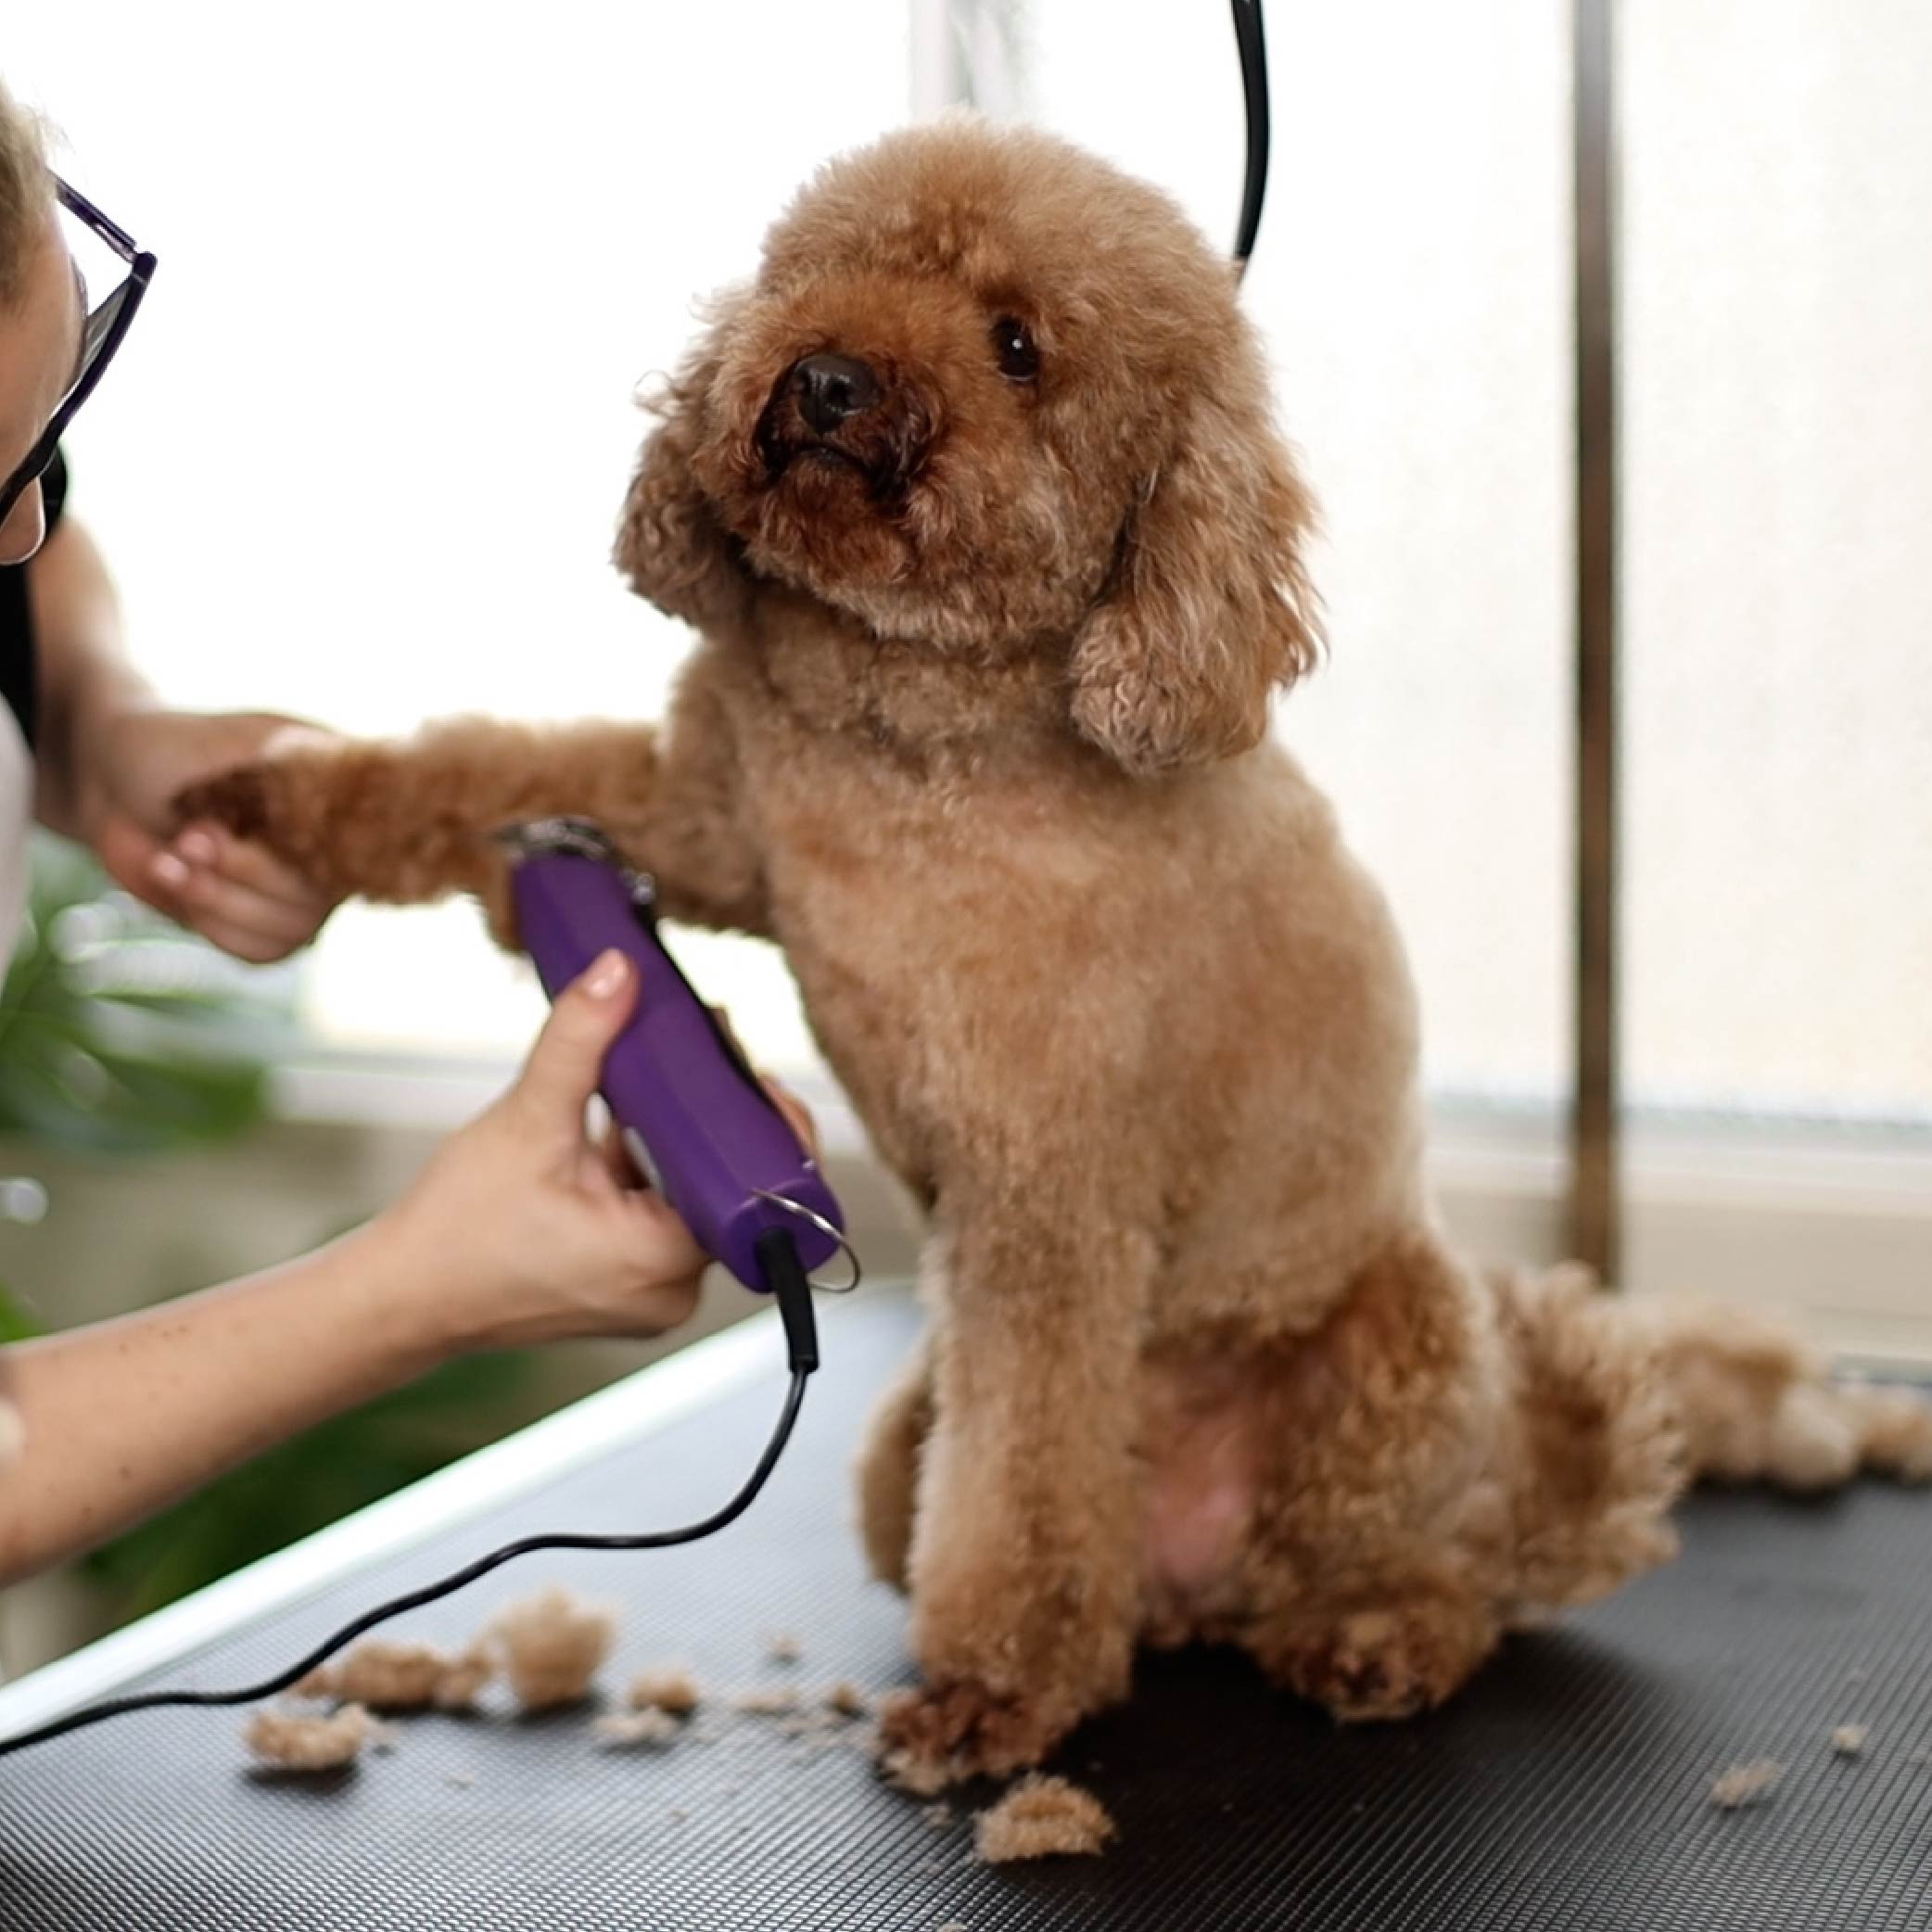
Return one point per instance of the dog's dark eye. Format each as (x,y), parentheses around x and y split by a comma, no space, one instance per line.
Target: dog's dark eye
(1019,356)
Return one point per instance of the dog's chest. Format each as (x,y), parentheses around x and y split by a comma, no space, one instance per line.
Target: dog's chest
(927,922)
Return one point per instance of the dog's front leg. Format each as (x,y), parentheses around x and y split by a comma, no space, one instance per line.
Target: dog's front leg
(409,820)
(1025,1567)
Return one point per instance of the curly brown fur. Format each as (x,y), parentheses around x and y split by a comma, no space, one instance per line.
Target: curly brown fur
(976,732)
(1042,1817)
(553,1645)
(304,1741)
(386,1675)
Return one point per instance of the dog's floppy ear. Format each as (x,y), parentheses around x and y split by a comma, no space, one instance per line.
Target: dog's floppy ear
(1208,608)
(670,545)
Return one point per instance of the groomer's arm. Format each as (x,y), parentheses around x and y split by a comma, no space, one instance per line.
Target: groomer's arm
(122,1418)
(111,760)
(87,682)
(519,1231)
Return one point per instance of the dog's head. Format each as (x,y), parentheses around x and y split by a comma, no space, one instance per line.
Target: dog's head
(989,395)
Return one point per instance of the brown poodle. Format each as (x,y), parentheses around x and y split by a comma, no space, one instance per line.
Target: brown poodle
(974,500)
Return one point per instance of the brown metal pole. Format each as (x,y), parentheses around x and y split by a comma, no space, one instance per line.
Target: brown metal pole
(1595,1203)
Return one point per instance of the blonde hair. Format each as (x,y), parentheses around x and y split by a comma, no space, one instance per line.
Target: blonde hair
(26,189)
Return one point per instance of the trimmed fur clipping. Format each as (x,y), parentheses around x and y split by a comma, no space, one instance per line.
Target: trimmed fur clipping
(1042,1817)
(767,1700)
(386,1675)
(1745,1783)
(299,1740)
(649,1727)
(669,1690)
(553,1645)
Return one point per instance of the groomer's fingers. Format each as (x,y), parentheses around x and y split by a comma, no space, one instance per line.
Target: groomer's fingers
(206,901)
(782,1098)
(561,1071)
(252,925)
(616,1160)
(244,862)
(127,854)
(794,1109)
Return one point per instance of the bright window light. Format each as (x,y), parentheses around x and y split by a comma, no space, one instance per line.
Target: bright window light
(363,455)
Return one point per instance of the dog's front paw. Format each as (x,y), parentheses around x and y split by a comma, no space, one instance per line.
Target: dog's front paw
(286,795)
(238,799)
(948,1733)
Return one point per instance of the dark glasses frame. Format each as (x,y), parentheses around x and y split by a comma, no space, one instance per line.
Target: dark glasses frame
(100,336)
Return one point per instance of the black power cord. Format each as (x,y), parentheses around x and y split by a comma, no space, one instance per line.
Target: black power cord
(785,1273)
(1254,94)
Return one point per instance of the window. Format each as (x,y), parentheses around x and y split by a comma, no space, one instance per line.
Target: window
(363,455)
(1413,279)
(1778,176)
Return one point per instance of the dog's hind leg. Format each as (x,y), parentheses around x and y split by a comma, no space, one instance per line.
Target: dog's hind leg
(1454,1455)
(1406,1640)
(888,1467)
(1368,1585)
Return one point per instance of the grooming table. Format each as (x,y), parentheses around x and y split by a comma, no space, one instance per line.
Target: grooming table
(1569,1790)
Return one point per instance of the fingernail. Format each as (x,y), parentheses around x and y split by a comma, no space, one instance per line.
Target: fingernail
(170,872)
(608,972)
(198,848)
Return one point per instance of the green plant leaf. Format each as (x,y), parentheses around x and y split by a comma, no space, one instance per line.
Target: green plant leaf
(17,1320)
(120,1034)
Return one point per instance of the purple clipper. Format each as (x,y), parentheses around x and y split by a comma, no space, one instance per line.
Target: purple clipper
(693,1115)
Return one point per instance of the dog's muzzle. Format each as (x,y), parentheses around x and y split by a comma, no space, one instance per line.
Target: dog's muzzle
(829,389)
(837,412)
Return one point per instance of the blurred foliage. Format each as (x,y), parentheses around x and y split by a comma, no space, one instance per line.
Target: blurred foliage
(121,1034)
(16,1323)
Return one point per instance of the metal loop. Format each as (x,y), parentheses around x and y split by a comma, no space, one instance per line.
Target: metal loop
(824,1226)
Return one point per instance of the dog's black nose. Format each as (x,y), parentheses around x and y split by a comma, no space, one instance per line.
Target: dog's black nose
(831,388)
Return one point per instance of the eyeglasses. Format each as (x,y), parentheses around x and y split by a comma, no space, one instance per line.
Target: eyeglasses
(100,336)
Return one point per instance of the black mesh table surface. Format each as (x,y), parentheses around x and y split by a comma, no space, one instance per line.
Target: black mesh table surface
(1568,1789)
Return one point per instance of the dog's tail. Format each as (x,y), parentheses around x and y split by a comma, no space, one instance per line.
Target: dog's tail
(1619,1404)
(1598,1453)
(1756,1404)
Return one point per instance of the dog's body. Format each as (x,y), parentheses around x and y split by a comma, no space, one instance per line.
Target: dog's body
(975,733)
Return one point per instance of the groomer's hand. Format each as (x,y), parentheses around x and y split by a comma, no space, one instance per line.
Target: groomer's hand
(230,890)
(521,1229)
